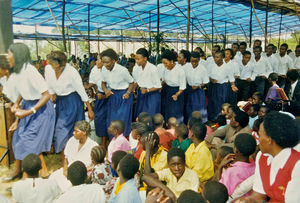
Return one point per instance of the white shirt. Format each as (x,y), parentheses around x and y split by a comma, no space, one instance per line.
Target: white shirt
(297,62)
(29,83)
(273,60)
(210,60)
(3,80)
(203,62)
(247,71)
(234,66)
(161,70)
(175,77)
(87,193)
(96,77)
(68,82)
(196,76)
(278,162)
(285,63)
(293,86)
(10,88)
(147,78)
(221,73)
(133,142)
(33,190)
(238,57)
(118,78)
(84,154)
(297,147)
(262,67)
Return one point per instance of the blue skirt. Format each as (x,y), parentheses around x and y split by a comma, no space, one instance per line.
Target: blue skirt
(195,101)
(218,95)
(69,110)
(170,107)
(100,111)
(149,102)
(120,109)
(35,132)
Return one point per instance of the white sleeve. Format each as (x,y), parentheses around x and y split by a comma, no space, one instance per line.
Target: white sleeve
(182,80)
(78,85)
(156,78)
(290,63)
(204,75)
(92,78)
(242,188)
(276,65)
(135,74)
(236,69)
(37,80)
(269,68)
(48,70)
(230,74)
(292,190)
(15,193)
(257,185)
(127,77)
(254,72)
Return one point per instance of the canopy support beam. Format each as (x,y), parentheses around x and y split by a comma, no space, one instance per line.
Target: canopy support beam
(150,43)
(158,38)
(63,25)
(266,24)
(192,34)
(251,14)
(212,23)
(280,28)
(36,43)
(188,25)
(89,15)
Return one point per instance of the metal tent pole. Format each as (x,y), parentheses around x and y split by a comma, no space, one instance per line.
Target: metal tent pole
(150,41)
(158,38)
(266,24)
(36,43)
(188,25)
(192,34)
(63,25)
(225,36)
(89,46)
(251,14)
(212,23)
(280,29)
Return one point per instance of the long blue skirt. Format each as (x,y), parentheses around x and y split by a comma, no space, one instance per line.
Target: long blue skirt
(149,102)
(120,109)
(100,111)
(69,110)
(218,95)
(35,132)
(170,107)
(195,101)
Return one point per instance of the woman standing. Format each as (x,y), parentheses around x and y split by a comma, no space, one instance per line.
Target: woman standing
(36,117)
(117,85)
(174,83)
(66,89)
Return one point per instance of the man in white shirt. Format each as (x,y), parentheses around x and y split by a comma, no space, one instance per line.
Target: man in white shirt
(297,58)
(277,173)
(273,60)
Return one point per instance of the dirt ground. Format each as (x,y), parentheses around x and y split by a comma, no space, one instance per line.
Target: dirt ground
(53,162)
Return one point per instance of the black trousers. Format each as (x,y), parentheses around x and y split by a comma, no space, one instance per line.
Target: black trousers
(244,87)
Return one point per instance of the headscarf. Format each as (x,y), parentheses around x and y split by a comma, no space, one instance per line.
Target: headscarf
(21,55)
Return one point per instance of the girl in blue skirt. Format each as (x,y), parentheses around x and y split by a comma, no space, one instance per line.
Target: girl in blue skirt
(196,77)
(34,126)
(100,108)
(174,83)
(219,73)
(117,85)
(147,84)
(67,91)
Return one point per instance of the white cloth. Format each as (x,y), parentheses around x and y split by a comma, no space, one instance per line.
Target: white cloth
(297,147)
(68,82)
(221,73)
(118,78)
(96,77)
(273,60)
(285,63)
(91,193)
(210,60)
(196,76)
(234,66)
(238,57)
(33,190)
(262,67)
(247,71)
(297,62)
(133,143)
(175,77)
(147,78)
(293,86)
(278,162)
(84,154)
(203,62)
(29,83)
(10,88)
(161,70)
(3,80)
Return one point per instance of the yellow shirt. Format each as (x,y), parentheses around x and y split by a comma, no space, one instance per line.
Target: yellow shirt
(188,181)
(200,160)
(158,160)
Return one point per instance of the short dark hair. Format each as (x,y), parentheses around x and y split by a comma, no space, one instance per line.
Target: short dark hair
(182,131)
(186,55)
(258,47)
(143,52)
(110,53)
(139,128)
(119,125)
(84,126)
(58,56)
(273,77)
(245,144)
(270,45)
(31,164)
(129,165)
(247,53)
(231,52)
(220,52)
(195,54)
(243,44)
(98,154)
(169,55)
(285,45)
(157,120)
(242,118)
(215,192)
(237,44)
(292,75)
(257,40)
(298,46)
(144,117)
(281,128)
(176,152)
(190,196)
(217,46)
(258,94)
(21,55)
(116,157)
(221,120)
(255,107)
(199,130)
(77,173)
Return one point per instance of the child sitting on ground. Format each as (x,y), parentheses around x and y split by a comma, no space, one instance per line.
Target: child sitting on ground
(215,192)
(100,173)
(240,167)
(33,188)
(171,125)
(253,114)
(221,122)
(137,130)
(181,138)
(222,152)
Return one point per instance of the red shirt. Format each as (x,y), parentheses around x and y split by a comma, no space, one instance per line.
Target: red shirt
(165,138)
(139,150)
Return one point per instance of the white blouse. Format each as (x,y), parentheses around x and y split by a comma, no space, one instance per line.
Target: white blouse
(96,77)
(118,78)
(29,83)
(273,60)
(247,71)
(262,67)
(10,88)
(175,77)
(234,66)
(196,76)
(147,78)
(68,82)
(221,73)
(285,63)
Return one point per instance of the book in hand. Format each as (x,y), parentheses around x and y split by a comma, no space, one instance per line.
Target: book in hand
(281,94)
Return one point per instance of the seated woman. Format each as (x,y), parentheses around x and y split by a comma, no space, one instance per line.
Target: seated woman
(78,148)
(272,95)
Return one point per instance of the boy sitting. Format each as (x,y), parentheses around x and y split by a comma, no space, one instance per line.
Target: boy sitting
(253,114)
(33,188)
(181,137)
(137,130)
(171,125)
(215,192)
